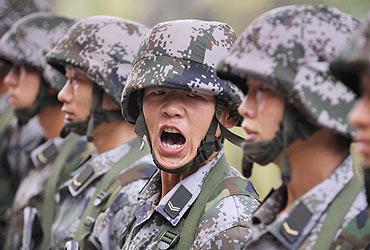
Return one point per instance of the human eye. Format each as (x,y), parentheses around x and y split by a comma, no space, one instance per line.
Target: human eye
(193,95)
(154,92)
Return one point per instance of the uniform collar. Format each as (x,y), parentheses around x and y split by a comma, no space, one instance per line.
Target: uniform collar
(96,166)
(175,203)
(101,163)
(292,227)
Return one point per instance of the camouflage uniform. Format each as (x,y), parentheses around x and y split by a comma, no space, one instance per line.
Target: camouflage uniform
(348,66)
(290,48)
(10,12)
(182,55)
(31,191)
(20,45)
(102,48)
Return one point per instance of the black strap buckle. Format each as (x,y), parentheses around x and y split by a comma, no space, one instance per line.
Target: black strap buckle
(169,240)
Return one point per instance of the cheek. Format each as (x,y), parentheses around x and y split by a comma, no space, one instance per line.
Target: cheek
(149,112)
(272,111)
(261,101)
(200,122)
(29,87)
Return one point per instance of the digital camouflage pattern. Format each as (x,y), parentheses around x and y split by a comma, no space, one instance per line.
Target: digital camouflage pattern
(23,45)
(354,58)
(76,193)
(109,224)
(181,54)
(13,10)
(290,47)
(356,235)
(224,224)
(31,189)
(300,226)
(103,48)
(351,62)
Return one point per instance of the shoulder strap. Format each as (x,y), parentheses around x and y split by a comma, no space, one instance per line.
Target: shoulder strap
(51,186)
(356,235)
(216,178)
(337,212)
(105,187)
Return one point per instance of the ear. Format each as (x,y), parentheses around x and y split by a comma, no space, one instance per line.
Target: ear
(227,119)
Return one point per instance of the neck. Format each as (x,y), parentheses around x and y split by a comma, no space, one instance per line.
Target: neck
(108,136)
(52,120)
(170,180)
(312,161)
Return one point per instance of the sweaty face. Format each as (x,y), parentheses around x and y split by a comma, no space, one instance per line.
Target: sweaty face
(23,86)
(177,122)
(262,110)
(359,117)
(76,96)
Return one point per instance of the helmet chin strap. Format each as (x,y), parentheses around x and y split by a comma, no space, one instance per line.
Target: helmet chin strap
(208,145)
(25,114)
(291,128)
(97,116)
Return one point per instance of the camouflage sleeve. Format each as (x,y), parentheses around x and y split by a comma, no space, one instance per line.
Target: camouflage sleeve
(226,223)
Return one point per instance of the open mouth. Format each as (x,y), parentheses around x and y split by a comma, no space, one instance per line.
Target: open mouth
(172,138)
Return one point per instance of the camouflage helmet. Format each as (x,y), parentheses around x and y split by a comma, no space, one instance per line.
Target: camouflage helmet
(181,54)
(290,47)
(13,10)
(103,48)
(30,38)
(354,58)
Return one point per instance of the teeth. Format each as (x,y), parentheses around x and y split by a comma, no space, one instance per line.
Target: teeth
(171,130)
(173,146)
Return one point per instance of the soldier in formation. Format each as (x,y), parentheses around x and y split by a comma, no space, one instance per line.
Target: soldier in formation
(33,85)
(295,115)
(96,56)
(351,66)
(159,177)
(196,199)
(10,12)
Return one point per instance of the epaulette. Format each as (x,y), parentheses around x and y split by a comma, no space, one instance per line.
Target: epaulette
(45,153)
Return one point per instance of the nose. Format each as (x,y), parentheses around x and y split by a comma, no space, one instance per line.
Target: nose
(65,95)
(247,108)
(359,117)
(173,106)
(11,79)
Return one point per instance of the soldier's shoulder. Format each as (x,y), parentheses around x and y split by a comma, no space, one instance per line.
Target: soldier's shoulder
(226,222)
(227,215)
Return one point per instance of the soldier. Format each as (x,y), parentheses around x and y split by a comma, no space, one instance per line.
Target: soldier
(96,55)
(32,85)
(352,67)
(10,12)
(195,199)
(295,116)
